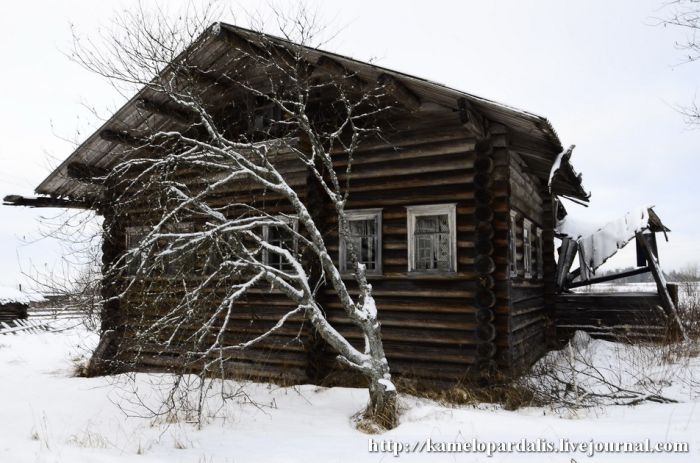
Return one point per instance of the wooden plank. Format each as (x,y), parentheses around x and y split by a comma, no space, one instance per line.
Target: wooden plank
(612,277)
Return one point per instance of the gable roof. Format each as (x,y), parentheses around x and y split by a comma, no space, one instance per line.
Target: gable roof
(210,54)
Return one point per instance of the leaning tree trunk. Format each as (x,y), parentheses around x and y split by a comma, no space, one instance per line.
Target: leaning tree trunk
(382,407)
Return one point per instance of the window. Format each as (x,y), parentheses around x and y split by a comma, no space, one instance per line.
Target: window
(513,245)
(540,256)
(134,237)
(365,238)
(284,236)
(432,238)
(264,114)
(167,254)
(527,248)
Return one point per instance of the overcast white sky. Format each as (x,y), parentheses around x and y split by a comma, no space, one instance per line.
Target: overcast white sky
(606,77)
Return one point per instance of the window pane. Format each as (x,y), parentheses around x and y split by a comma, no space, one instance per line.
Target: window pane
(432,242)
(364,241)
(283,238)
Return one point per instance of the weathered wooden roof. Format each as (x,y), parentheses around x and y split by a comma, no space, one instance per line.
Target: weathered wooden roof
(535,133)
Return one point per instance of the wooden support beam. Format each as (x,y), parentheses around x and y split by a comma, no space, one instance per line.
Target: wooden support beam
(399,92)
(239,43)
(616,276)
(567,254)
(171,111)
(471,119)
(45,201)
(123,137)
(84,172)
(207,79)
(666,301)
(267,50)
(329,67)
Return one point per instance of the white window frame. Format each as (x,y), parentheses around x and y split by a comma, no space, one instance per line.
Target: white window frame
(290,221)
(432,209)
(513,244)
(362,214)
(540,254)
(527,248)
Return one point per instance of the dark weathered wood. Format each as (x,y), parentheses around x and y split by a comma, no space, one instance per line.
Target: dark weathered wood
(172,111)
(86,173)
(666,301)
(123,137)
(567,253)
(641,253)
(621,316)
(471,119)
(46,201)
(330,67)
(405,97)
(673,292)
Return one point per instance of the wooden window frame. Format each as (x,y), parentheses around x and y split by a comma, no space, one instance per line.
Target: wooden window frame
(294,222)
(166,269)
(362,214)
(513,245)
(527,248)
(412,212)
(540,253)
(130,233)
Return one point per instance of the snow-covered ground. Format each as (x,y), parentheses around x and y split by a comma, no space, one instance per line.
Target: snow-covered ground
(49,415)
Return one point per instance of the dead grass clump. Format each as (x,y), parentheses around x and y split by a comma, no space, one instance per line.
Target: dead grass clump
(495,388)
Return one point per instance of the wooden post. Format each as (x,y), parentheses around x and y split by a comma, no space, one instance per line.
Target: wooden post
(666,301)
(673,292)
(566,260)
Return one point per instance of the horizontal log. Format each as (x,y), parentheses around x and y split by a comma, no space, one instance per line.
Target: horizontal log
(46,201)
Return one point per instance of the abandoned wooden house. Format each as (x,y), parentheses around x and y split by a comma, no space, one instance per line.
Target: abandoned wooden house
(455,204)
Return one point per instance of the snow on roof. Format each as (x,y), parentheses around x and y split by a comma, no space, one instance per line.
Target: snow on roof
(557,163)
(14,296)
(597,244)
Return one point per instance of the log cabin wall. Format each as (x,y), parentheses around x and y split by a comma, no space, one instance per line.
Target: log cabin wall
(429,319)
(430,326)
(282,357)
(530,265)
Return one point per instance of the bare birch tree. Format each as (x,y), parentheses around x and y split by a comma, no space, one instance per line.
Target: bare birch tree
(204,249)
(685,15)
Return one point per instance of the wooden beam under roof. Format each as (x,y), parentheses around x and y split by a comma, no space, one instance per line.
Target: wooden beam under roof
(399,92)
(472,119)
(171,111)
(123,137)
(85,172)
(239,43)
(266,51)
(207,78)
(331,67)
(45,201)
